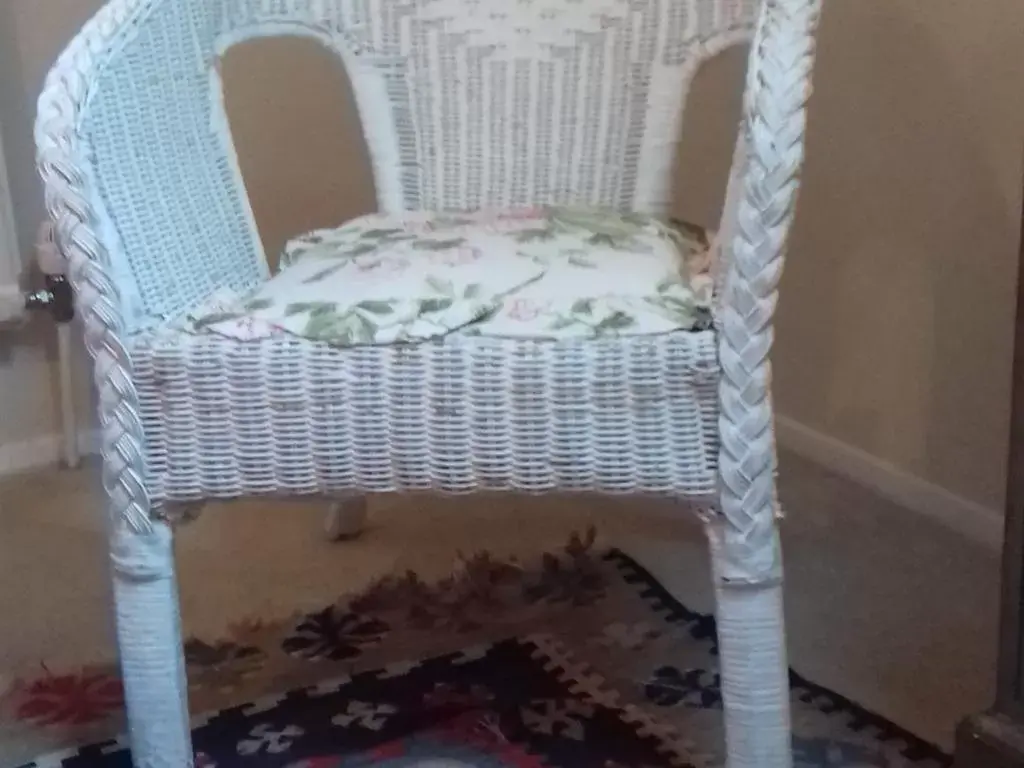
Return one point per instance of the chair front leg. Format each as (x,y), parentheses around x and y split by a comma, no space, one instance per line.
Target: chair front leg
(150,645)
(755,673)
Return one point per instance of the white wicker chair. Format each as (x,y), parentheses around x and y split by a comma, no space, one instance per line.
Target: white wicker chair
(142,182)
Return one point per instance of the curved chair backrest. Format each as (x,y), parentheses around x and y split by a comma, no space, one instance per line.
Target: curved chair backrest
(465,104)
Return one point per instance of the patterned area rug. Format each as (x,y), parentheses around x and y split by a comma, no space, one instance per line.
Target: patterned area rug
(579,659)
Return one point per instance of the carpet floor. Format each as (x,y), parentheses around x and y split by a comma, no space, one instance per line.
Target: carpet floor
(578,657)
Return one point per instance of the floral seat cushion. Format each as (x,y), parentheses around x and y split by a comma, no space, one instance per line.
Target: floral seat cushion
(546,272)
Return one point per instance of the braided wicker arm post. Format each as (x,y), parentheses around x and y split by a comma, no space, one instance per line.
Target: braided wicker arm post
(141,553)
(745,541)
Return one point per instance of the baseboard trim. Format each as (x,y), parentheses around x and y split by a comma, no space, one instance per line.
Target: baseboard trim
(974,520)
(12,304)
(39,452)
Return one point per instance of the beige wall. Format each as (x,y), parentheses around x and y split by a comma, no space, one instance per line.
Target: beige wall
(30,35)
(895,324)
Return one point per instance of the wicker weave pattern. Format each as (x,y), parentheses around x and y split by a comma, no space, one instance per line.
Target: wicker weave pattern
(635,414)
(467,105)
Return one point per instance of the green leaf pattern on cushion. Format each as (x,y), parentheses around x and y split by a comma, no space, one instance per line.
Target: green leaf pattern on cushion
(546,272)
(444,287)
(428,306)
(217,317)
(322,274)
(426,244)
(377,307)
(608,274)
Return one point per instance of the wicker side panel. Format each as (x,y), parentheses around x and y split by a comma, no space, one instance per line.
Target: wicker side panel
(225,419)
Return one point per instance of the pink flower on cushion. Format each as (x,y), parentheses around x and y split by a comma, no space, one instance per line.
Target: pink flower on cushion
(518,219)
(503,220)
(518,214)
(455,257)
(524,310)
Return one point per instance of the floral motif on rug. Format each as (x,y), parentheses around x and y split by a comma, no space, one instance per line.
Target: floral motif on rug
(580,658)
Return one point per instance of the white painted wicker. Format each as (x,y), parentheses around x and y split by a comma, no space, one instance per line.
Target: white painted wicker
(467,104)
(291,416)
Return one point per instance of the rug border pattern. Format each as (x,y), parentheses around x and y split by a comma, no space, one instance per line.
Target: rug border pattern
(826,701)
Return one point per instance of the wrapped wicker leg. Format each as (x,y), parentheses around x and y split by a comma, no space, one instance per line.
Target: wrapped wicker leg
(755,676)
(150,645)
(745,539)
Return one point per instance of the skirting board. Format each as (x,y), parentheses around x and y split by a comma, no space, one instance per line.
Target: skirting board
(39,452)
(973,520)
(12,303)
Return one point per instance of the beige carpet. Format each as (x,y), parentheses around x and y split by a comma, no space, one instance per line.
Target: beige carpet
(884,607)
